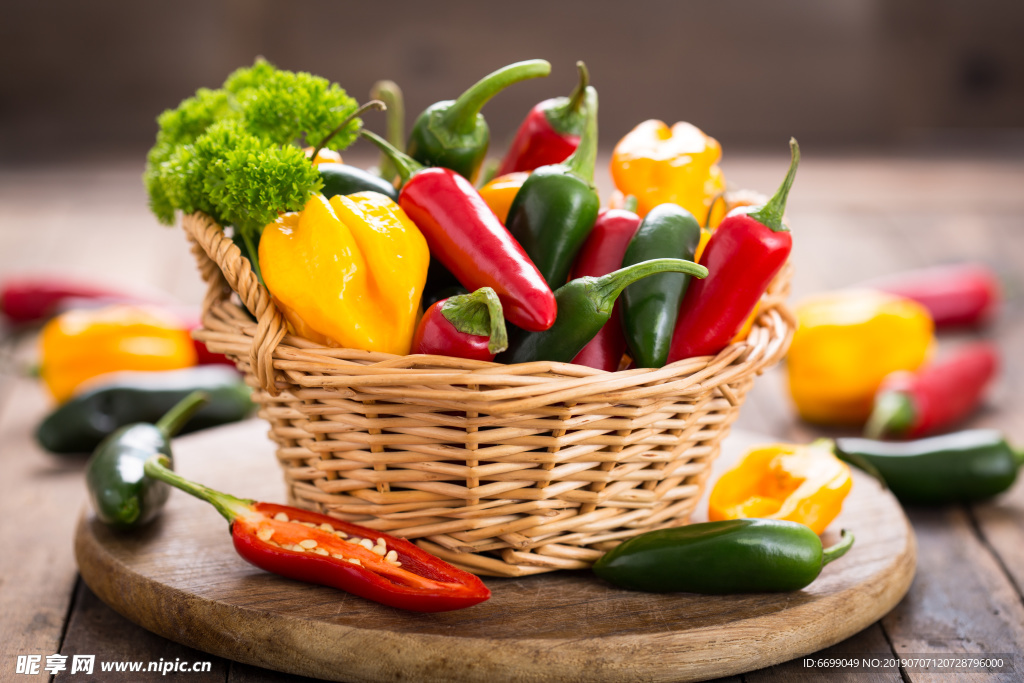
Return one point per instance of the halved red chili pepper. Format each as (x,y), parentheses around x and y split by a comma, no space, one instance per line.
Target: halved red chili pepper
(743,255)
(465,326)
(601,254)
(469,240)
(935,397)
(308,546)
(550,133)
(956,295)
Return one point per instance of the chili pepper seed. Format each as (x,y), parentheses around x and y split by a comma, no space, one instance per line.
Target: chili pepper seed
(308,543)
(366,543)
(391,556)
(264,533)
(281,517)
(321,551)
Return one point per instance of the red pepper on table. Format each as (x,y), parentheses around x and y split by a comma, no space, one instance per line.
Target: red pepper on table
(743,255)
(34,299)
(308,546)
(601,254)
(956,295)
(465,326)
(935,397)
(550,133)
(469,240)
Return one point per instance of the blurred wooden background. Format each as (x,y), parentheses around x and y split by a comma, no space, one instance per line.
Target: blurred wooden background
(82,81)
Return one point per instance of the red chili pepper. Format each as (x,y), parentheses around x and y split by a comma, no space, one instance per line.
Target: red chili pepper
(465,326)
(550,133)
(34,299)
(957,295)
(308,546)
(743,255)
(601,254)
(935,397)
(470,241)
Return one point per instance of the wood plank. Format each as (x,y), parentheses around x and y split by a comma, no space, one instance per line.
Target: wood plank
(95,629)
(871,641)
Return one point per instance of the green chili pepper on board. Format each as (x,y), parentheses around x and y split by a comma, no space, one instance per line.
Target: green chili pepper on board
(121,494)
(650,307)
(960,467)
(454,134)
(719,558)
(80,424)
(584,306)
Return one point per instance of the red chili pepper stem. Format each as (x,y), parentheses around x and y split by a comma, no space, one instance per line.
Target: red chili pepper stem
(566,117)
(584,159)
(893,414)
(175,418)
(228,506)
(836,551)
(770,215)
(478,313)
(372,104)
(460,117)
(630,203)
(405,165)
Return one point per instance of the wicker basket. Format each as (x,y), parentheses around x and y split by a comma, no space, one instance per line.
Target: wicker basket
(504,470)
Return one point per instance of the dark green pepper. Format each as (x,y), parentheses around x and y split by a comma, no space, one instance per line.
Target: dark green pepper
(454,134)
(964,466)
(719,558)
(342,179)
(584,306)
(650,307)
(79,425)
(555,209)
(121,494)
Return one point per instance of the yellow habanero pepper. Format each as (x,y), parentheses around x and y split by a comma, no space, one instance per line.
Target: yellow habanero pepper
(845,344)
(81,344)
(500,192)
(658,164)
(804,484)
(347,272)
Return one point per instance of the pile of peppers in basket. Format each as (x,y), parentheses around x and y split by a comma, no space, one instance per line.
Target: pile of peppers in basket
(415,258)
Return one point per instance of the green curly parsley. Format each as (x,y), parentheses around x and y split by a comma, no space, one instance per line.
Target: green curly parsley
(235,153)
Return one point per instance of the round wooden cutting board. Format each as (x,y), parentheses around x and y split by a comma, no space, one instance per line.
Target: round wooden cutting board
(180,578)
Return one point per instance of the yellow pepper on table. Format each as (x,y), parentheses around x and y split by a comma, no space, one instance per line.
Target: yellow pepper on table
(845,344)
(348,271)
(657,164)
(500,192)
(796,483)
(81,344)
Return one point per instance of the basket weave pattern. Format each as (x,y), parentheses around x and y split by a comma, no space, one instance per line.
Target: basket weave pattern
(503,470)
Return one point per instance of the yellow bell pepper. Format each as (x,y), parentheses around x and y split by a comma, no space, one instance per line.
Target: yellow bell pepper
(845,344)
(804,484)
(347,272)
(81,344)
(658,164)
(500,192)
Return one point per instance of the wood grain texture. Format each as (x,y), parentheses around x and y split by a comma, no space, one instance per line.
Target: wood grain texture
(180,578)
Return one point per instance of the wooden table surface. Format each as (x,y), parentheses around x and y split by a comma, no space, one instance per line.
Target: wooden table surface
(853,218)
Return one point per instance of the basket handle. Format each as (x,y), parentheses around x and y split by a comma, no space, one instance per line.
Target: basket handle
(224,269)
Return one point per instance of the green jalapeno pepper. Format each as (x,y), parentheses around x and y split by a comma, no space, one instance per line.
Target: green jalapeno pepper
(718,558)
(555,209)
(454,134)
(79,425)
(584,306)
(650,307)
(121,494)
(342,179)
(959,467)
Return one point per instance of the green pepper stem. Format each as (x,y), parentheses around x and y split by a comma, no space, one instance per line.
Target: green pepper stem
(893,413)
(390,94)
(583,160)
(631,203)
(254,254)
(608,287)
(175,418)
(858,461)
(460,117)
(1018,456)
(372,104)
(578,94)
(227,505)
(478,313)
(839,549)
(711,208)
(404,164)
(770,215)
